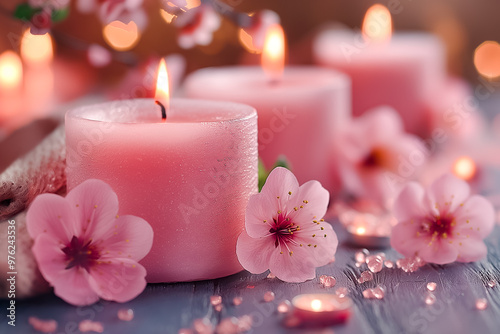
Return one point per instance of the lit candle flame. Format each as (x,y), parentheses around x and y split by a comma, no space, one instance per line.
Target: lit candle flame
(360,230)
(273,53)
(464,168)
(11,70)
(162,94)
(121,36)
(377,25)
(36,49)
(316,305)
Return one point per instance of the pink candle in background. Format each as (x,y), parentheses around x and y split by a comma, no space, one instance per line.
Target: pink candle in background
(403,72)
(189,177)
(299,110)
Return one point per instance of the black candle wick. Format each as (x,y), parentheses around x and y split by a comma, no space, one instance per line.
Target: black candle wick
(163,111)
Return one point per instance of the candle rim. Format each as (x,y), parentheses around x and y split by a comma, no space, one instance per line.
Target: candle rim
(239,112)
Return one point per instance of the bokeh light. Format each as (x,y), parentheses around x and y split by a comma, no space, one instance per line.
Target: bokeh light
(36,49)
(377,25)
(464,168)
(121,36)
(11,70)
(487,59)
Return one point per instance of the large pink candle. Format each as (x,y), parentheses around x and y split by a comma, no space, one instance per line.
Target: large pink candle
(403,72)
(298,114)
(190,177)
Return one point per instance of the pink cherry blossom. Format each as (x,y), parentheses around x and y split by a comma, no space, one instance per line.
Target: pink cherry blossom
(374,156)
(53,4)
(442,224)
(84,249)
(261,22)
(284,231)
(196,26)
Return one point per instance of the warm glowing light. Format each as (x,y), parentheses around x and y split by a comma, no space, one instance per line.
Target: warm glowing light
(316,305)
(167,16)
(192,4)
(36,49)
(464,168)
(377,25)
(487,59)
(247,42)
(273,53)
(360,230)
(162,93)
(11,70)
(121,36)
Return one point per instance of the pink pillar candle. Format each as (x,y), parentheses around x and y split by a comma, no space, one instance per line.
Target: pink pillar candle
(189,177)
(298,114)
(402,73)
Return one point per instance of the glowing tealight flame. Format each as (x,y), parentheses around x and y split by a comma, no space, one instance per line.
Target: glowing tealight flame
(316,305)
(377,25)
(36,49)
(360,230)
(487,59)
(162,94)
(11,70)
(465,168)
(121,36)
(273,53)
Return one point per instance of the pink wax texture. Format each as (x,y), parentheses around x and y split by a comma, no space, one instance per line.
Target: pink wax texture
(298,115)
(189,177)
(402,73)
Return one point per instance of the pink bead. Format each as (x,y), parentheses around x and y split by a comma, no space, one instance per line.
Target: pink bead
(245,323)
(228,326)
(410,264)
(237,301)
(430,299)
(431,286)
(268,296)
(368,294)
(360,255)
(44,326)
(481,304)
(366,276)
(382,255)
(203,326)
(376,293)
(218,307)
(341,291)
(284,306)
(327,281)
(375,263)
(90,326)
(215,300)
(389,264)
(271,276)
(492,283)
(125,314)
(358,264)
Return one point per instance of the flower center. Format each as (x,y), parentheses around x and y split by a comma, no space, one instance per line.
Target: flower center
(374,159)
(79,253)
(283,230)
(438,226)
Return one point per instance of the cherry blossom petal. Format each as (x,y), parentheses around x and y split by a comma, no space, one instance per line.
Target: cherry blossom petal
(382,123)
(130,237)
(49,256)
(281,183)
(409,203)
(326,246)
(246,248)
(51,214)
(471,249)
(73,286)
(404,238)
(476,217)
(120,280)
(261,209)
(446,194)
(94,201)
(295,268)
(439,252)
(309,202)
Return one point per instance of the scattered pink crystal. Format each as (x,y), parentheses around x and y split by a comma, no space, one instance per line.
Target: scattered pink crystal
(481,304)
(268,296)
(430,299)
(185,331)
(90,326)
(245,323)
(431,286)
(228,326)
(215,300)
(492,283)
(327,281)
(377,292)
(237,301)
(284,306)
(341,291)
(382,255)
(44,326)
(366,276)
(271,275)
(218,307)
(375,263)
(410,264)
(360,255)
(203,325)
(125,314)
(389,264)
(358,264)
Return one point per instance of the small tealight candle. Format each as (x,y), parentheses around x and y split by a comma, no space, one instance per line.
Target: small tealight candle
(321,309)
